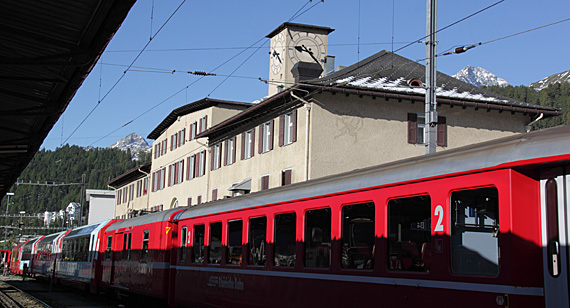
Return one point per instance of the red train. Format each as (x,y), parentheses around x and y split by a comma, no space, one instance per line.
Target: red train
(480,226)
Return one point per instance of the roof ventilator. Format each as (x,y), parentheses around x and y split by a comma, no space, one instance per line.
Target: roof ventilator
(415,83)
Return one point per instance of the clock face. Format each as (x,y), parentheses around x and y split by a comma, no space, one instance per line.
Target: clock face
(307,47)
(277,53)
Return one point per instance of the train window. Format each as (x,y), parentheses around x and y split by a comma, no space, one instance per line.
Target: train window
(144,250)
(198,244)
(318,238)
(285,239)
(409,234)
(475,231)
(124,251)
(235,230)
(215,247)
(256,243)
(183,241)
(357,240)
(129,246)
(108,250)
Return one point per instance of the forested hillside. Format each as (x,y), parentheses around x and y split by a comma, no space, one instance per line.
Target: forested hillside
(556,95)
(67,165)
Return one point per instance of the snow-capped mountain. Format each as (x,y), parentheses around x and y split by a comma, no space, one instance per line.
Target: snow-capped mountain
(552,79)
(134,142)
(479,76)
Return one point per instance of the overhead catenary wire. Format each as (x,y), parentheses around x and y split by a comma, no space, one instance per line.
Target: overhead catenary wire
(124,73)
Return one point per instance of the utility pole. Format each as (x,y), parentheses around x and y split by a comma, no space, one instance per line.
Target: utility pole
(431,71)
(80,223)
(5,229)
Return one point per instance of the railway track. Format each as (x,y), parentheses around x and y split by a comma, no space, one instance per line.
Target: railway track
(12,297)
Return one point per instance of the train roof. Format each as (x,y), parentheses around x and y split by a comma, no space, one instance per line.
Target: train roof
(86,230)
(50,237)
(145,219)
(505,152)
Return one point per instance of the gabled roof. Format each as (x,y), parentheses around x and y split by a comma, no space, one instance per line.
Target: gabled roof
(47,49)
(130,176)
(296,26)
(389,72)
(384,74)
(189,108)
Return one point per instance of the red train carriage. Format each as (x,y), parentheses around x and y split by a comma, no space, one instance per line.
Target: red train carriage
(137,254)
(80,260)
(46,253)
(480,226)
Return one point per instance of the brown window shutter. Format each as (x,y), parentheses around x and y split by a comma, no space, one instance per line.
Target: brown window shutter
(294,120)
(214,194)
(412,128)
(190,201)
(205,122)
(265,182)
(226,153)
(271,135)
(242,146)
(441,132)
(188,168)
(203,162)
(196,164)
(235,150)
(286,177)
(260,139)
(252,149)
(169,175)
(212,158)
(281,129)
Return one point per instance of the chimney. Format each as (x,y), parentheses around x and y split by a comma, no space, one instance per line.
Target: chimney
(306,70)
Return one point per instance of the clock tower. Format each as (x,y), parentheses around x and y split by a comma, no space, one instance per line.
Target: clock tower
(292,43)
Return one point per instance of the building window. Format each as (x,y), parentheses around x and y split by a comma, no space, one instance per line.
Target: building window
(145,186)
(203,124)
(163,147)
(285,239)
(199,200)
(235,231)
(417,128)
(286,177)
(230,151)
(288,128)
(409,234)
(180,172)
(216,159)
(193,130)
(215,247)
(198,244)
(201,163)
(214,194)
(265,182)
(318,238)
(256,242)
(189,201)
(190,167)
(475,232)
(357,241)
(266,137)
(247,144)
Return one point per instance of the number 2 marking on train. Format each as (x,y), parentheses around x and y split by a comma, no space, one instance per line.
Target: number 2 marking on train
(439,213)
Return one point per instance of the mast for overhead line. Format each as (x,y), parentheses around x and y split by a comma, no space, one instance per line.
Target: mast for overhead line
(430,130)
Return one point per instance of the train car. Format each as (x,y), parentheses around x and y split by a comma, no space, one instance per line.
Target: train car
(137,254)
(16,255)
(478,226)
(5,258)
(79,262)
(28,251)
(46,253)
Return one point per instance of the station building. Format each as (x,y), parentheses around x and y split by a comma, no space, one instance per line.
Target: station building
(315,122)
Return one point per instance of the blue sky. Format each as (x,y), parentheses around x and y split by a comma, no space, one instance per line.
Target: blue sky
(203,35)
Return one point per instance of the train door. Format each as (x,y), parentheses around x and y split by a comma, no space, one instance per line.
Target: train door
(555,217)
(115,255)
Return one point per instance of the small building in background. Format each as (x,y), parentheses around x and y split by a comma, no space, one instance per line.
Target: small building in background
(101,205)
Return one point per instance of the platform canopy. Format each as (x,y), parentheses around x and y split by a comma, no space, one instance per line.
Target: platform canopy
(47,49)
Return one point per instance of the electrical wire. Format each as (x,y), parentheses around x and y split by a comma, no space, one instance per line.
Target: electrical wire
(124,73)
(295,16)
